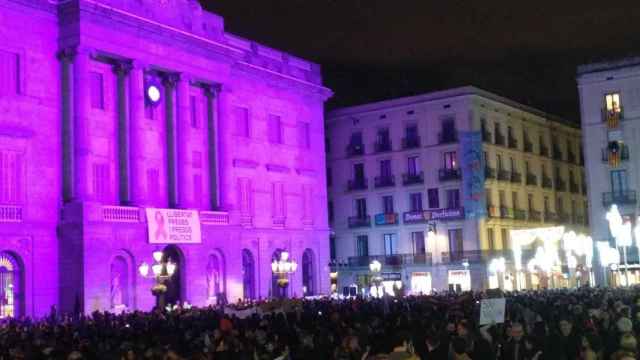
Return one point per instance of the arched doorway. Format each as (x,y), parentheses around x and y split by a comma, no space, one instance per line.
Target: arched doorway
(120,284)
(277,291)
(248,275)
(174,284)
(11,285)
(216,278)
(308,274)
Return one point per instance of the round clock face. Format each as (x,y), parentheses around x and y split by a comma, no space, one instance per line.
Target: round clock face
(153,93)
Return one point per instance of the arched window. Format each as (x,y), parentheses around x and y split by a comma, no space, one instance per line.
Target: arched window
(120,284)
(11,297)
(248,275)
(174,292)
(216,277)
(308,273)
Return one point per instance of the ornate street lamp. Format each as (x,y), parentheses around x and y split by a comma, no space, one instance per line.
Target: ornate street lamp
(282,268)
(161,271)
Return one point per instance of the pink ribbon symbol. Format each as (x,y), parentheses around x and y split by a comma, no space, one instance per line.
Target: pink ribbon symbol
(160,231)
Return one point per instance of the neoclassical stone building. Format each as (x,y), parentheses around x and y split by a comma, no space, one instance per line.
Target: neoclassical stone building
(129,126)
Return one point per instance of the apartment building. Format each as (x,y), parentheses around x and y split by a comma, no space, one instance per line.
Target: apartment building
(430,186)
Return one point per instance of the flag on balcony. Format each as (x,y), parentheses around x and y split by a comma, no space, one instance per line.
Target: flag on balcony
(614,153)
(613,118)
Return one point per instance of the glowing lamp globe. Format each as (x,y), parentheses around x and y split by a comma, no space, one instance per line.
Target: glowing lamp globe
(294,266)
(157,269)
(171,268)
(284,256)
(153,94)
(157,256)
(144,269)
(274,266)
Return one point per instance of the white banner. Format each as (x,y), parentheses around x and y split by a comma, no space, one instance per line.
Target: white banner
(171,226)
(492,311)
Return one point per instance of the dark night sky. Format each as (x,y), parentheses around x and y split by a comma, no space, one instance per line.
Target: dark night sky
(377,49)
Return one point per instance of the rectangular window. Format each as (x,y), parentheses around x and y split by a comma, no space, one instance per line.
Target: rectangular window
(412,165)
(449,128)
(450,161)
(560,205)
(514,200)
(241,116)
(546,204)
(332,247)
(387,204)
(361,208)
(612,102)
(491,241)
(506,244)
(97,90)
(411,132)
(390,246)
(356,139)
(619,181)
(383,136)
(9,73)
(101,182)
(499,162)
(526,167)
(502,198)
(385,168)
(303,135)
(453,198)
(197,189)
(417,239)
(455,241)
(358,171)
(434,198)
(530,202)
(362,245)
(513,164)
(194,112)
(277,200)
(275,129)
(416,201)
(10,177)
(489,196)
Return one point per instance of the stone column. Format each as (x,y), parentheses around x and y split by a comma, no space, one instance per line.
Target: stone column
(122,69)
(169,82)
(183,124)
(67,57)
(137,140)
(212,92)
(82,106)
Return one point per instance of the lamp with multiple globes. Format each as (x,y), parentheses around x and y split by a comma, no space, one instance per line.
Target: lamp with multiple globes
(161,271)
(282,268)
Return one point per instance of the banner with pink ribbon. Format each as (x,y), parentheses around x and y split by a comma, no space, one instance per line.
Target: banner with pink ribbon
(171,226)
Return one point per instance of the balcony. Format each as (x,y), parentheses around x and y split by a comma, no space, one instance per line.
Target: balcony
(475,256)
(449,174)
(492,211)
(382,146)
(500,139)
(571,157)
(519,214)
(386,219)
(532,180)
(355,150)
(384,181)
(528,146)
(512,142)
(506,213)
(447,137)
(413,178)
(411,142)
(516,178)
(504,175)
(625,197)
(624,153)
(574,188)
(564,218)
(535,216)
(560,185)
(550,217)
(579,220)
(489,172)
(544,150)
(357,184)
(394,260)
(546,182)
(359,221)
(486,136)
(612,117)
(557,154)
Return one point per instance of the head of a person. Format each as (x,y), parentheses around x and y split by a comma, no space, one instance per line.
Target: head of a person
(565,326)
(628,343)
(462,328)
(401,339)
(459,346)
(624,325)
(591,341)
(516,331)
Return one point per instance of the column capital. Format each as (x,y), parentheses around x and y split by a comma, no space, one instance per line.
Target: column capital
(67,54)
(170,79)
(122,68)
(212,90)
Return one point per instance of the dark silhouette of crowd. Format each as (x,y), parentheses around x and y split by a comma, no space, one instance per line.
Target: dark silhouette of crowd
(587,324)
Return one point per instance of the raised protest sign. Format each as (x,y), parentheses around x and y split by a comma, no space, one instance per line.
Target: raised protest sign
(492,311)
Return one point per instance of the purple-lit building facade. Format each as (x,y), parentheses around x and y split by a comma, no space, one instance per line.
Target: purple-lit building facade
(233,138)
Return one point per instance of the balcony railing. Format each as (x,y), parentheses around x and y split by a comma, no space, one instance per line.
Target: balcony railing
(486,136)
(394,260)
(447,137)
(544,150)
(624,153)
(493,211)
(579,220)
(532,179)
(413,178)
(512,142)
(359,221)
(384,181)
(516,177)
(411,142)
(546,182)
(449,174)
(357,184)
(500,139)
(355,150)
(519,214)
(506,213)
(560,184)
(571,157)
(625,197)
(475,256)
(557,154)
(11,213)
(564,218)
(528,146)
(574,188)
(382,146)
(550,217)
(535,216)
(489,172)
(612,118)
(504,175)
(386,219)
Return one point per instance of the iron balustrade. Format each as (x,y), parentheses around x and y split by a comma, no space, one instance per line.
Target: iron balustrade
(449,174)
(447,137)
(624,197)
(550,217)
(382,146)
(355,150)
(357,184)
(535,215)
(560,184)
(413,178)
(489,172)
(512,142)
(411,142)
(557,154)
(486,136)
(394,260)
(574,188)
(546,182)
(384,181)
(528,146)
(544,150)
(532,179)
(516,177)
(500,139)
(359,221)
(504,175)
(519,214)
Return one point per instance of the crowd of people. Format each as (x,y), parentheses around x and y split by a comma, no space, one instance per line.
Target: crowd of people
(587,323)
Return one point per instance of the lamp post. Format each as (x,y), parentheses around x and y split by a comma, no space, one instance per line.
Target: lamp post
(498,267)
(162,270)
(282,268)
(376,267)
(621,231)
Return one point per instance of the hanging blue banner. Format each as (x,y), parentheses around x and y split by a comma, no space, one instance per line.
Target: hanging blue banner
(475,206)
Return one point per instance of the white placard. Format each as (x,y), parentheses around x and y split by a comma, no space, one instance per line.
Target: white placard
(171,226)
(492,311)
